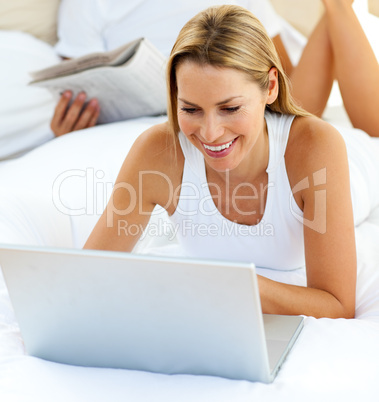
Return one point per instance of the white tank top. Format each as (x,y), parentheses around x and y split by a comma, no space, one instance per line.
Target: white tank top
(276,242)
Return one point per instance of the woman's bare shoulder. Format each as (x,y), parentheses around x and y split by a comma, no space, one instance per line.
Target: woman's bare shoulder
(157,148)
(156,139)
(154,164)
(315,150)
(313,131)
(313,144)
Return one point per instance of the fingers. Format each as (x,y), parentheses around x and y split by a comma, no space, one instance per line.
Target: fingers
(88,116)
(73,113)
(59,113)
(77,116)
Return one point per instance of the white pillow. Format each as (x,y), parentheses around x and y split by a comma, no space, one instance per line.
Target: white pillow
(25,111)
(55,194)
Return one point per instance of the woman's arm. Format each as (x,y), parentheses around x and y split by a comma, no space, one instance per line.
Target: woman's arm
(319,155)
(143,182)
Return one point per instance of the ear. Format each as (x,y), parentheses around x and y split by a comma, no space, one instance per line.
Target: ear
(273,88)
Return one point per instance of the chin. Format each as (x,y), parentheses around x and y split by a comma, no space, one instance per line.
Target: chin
(220,165)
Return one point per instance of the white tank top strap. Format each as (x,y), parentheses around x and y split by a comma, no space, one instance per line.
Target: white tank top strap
(279,127)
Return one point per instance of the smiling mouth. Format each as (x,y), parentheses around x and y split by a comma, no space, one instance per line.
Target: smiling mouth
(219,148)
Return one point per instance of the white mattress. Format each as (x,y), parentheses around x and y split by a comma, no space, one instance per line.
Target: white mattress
(47,199)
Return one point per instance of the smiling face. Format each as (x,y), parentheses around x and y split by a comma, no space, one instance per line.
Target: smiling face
(222,113)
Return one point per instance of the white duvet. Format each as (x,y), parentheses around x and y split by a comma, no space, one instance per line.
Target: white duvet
(53,196)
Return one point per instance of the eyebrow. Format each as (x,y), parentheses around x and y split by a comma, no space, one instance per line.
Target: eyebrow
(217,104)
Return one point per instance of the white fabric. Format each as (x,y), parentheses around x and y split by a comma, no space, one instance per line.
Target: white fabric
(363,154)
(86,26)
(62,184)
(204,232)
(331,359)
(25,112)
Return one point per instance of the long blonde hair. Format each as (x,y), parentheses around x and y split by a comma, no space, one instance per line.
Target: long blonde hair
(228,36)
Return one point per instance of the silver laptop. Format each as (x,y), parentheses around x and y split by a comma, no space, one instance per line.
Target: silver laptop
(138,312)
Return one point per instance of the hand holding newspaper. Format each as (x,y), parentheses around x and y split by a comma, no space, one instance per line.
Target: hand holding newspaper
(129,81)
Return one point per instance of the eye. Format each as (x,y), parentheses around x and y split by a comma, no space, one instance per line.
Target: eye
(189,110)
(231,109)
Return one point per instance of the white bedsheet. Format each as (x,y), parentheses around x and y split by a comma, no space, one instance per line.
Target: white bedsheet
(332,359)
(54,195)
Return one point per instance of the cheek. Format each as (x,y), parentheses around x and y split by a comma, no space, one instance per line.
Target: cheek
(186,124)
(242,125)
(253,122)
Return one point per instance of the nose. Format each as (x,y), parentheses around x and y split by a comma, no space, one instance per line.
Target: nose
(211,129)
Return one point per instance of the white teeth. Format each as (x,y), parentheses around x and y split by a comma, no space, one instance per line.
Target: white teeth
(219,148)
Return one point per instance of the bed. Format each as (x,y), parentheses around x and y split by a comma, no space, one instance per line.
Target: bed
(53,195)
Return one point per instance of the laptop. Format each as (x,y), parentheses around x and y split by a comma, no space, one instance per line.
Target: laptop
(140,312)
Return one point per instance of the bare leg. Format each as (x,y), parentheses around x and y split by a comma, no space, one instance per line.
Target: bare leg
(283,55)
(312,79)
(356,67)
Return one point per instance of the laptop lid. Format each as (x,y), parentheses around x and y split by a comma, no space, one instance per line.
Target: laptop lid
(122,310)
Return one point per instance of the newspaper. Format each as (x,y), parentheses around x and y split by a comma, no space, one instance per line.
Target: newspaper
(129,81)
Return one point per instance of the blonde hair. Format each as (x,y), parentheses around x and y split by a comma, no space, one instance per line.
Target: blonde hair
(232,37)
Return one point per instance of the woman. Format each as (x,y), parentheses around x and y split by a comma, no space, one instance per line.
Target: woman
(224,164)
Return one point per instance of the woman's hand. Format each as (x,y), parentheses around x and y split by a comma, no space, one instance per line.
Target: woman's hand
(77,116)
